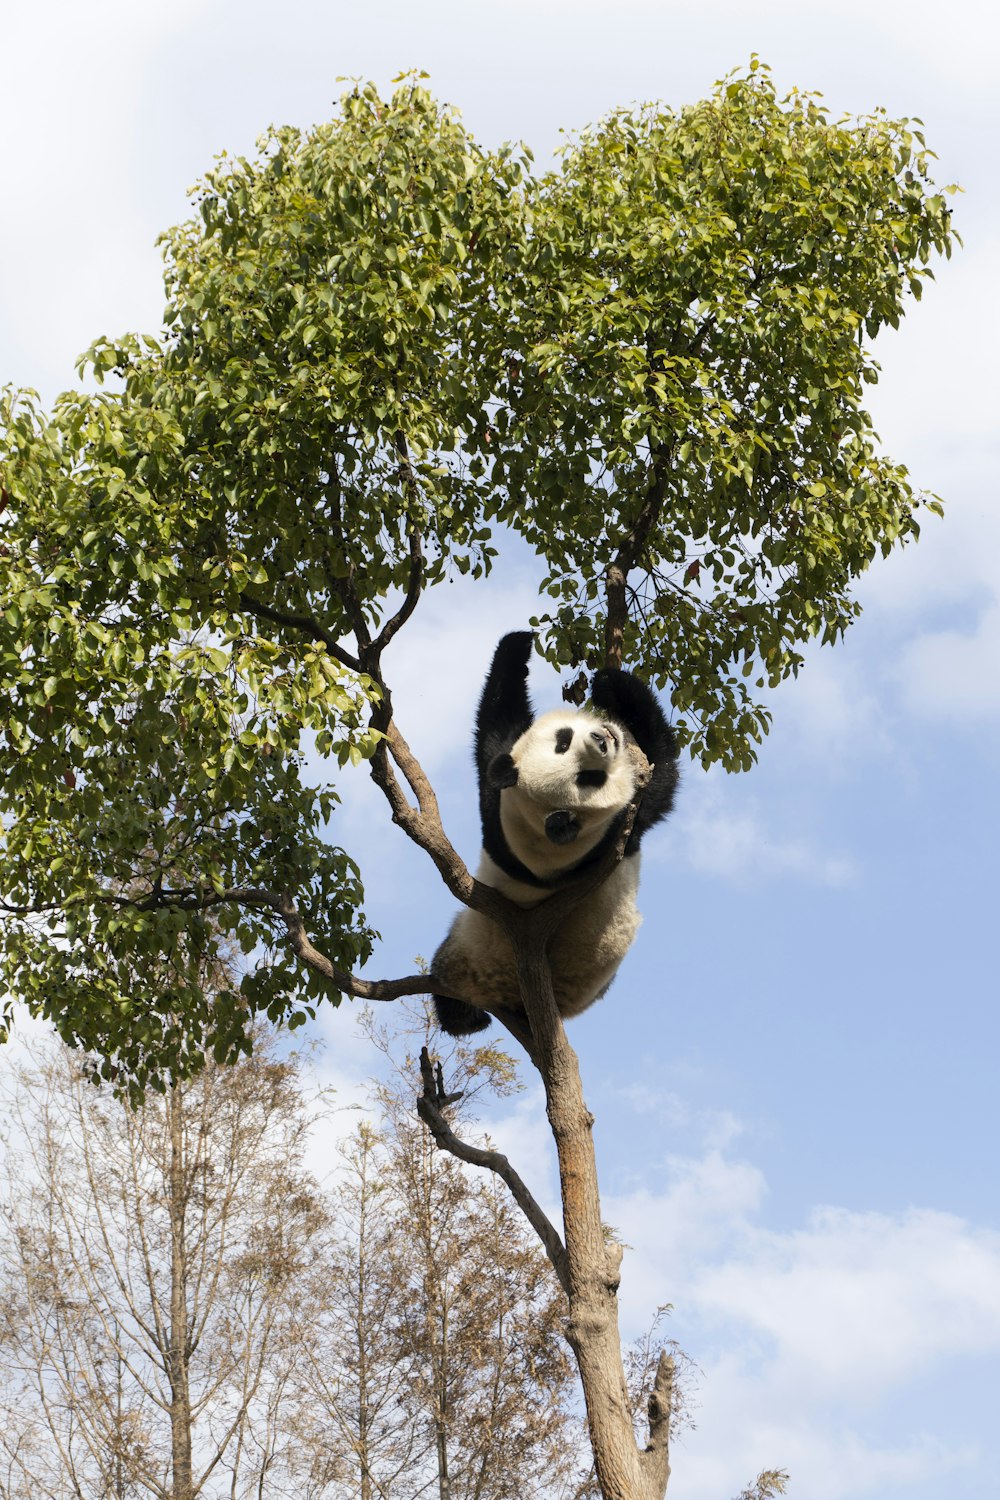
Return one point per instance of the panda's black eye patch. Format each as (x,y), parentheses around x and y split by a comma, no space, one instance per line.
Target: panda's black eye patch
(564,738)
(591,778)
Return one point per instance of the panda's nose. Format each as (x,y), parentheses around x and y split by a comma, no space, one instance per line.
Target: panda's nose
(600,740)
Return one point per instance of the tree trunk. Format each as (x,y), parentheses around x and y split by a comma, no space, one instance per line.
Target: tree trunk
(623,1472)
(441,1401)
(182,1481)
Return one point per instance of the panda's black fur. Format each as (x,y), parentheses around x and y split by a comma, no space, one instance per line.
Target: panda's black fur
(552,794)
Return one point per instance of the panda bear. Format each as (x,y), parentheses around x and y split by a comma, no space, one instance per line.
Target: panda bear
(552,795)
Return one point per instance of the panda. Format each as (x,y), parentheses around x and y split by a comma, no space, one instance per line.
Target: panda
(552,795)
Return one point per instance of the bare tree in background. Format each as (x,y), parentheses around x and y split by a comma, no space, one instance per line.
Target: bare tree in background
(149,1261)
(354,1430)
(184,1314)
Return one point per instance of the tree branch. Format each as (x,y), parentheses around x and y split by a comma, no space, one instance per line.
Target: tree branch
(431,1104)
(415,583)
(304,623)
(349,984)
(629,552)
(422,824)
(344,587)
(655,1458)
(411,597)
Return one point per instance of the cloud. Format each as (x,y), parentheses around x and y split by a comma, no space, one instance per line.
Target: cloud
(738,1435)
(954,674)
(716,837)
(823,1347)
(857,1302)
(718,1128)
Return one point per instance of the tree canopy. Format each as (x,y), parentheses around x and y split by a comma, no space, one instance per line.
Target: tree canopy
(385,348)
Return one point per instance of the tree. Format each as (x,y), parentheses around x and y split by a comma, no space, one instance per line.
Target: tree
(150,1259)
(383,345)
(353,1431)
(186,1314)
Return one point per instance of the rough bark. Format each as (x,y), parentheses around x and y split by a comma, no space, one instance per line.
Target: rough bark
(623,1472)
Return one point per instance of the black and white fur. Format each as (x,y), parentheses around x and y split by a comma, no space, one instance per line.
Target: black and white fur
(552,795)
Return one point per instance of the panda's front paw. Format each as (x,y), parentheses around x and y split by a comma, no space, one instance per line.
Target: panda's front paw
(515,649)
(561,827)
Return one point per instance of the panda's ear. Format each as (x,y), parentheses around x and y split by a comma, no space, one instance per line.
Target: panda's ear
(501,772)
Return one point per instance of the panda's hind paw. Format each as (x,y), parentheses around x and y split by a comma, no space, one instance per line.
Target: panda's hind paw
(458,1018)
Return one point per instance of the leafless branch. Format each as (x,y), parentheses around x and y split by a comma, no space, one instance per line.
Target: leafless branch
(431,1105)
(656,1457)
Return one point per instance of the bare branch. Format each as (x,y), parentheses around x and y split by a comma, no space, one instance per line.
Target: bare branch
(516,1023)
(413,588)
(656,1457)
(422,824)
(430,1107)
(349,984)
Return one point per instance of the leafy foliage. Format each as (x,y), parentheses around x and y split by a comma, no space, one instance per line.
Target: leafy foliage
(382,345)
(688,400)
(176,551)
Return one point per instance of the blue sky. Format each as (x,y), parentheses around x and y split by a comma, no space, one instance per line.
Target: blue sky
(795,1075)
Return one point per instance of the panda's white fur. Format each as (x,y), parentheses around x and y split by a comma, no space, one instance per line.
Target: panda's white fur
(476,960)
(547,783)
(552,794)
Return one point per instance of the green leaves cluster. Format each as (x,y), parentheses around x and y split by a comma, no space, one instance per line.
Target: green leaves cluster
(151,762)
(698,299)
(382,345)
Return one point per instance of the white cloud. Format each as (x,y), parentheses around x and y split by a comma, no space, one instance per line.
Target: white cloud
(739,1434)
(855,1303)
(813,1341)
(718,1128)
(708,1200)
(953,674)
(719,831)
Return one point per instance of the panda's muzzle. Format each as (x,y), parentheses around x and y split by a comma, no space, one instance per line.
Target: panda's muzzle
(561,827)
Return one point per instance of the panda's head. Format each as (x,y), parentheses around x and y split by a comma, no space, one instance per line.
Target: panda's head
(561,787)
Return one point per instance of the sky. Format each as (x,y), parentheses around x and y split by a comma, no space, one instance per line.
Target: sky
(795,1074)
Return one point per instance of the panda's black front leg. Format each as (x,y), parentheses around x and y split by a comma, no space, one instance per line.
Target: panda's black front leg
(504,709)
(627,699)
